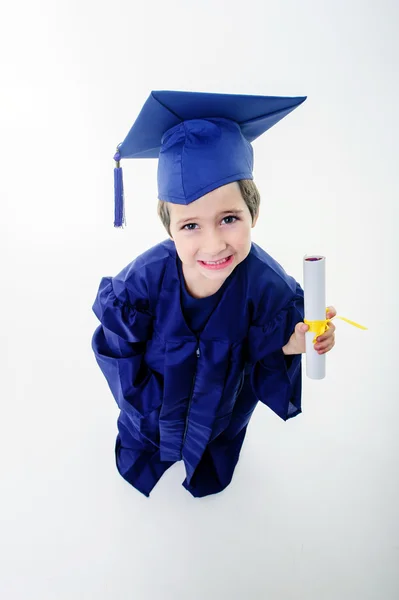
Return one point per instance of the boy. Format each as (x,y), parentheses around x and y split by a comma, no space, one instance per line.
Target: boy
(198,329)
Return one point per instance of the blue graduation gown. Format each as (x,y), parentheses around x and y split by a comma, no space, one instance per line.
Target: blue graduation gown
(189,396)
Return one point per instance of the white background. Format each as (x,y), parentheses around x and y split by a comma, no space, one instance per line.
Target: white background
(312,512)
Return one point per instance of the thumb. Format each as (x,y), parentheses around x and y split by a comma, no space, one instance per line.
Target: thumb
(301,328)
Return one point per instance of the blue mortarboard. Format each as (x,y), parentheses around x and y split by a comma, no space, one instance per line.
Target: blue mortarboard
(202,141)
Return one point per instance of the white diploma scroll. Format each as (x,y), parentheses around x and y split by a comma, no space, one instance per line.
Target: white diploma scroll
(314,279)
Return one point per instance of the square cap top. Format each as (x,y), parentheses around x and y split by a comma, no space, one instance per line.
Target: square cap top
(202,140)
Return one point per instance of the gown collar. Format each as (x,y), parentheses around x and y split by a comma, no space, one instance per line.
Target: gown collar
(227,320)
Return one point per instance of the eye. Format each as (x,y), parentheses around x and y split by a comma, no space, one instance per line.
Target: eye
(190,226)
(230,219)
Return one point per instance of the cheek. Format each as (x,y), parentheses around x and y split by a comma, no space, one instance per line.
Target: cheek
(185,246)
(241,236)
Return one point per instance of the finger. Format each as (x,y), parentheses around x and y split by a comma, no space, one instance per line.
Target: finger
(326,341)
(324,351)
(331,312)
(327,335)
(328,332)
(325,347)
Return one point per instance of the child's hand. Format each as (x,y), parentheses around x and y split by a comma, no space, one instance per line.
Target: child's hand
(324,343)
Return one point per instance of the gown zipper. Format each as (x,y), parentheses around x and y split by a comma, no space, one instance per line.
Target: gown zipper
(197,353)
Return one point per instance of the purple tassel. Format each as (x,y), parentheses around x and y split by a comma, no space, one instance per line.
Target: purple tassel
(119,196)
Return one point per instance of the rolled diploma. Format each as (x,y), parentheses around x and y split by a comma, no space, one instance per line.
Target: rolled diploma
(314,279)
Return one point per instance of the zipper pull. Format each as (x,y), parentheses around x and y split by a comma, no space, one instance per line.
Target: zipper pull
(197,352)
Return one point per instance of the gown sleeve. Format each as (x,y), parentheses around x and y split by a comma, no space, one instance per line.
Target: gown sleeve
(119,344)
(276,379)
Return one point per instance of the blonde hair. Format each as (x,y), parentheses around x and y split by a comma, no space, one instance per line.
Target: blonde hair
(249,192)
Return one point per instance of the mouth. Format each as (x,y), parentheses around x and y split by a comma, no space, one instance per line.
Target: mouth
(217,265)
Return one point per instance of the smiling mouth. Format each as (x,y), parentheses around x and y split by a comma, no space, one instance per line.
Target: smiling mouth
(215,262)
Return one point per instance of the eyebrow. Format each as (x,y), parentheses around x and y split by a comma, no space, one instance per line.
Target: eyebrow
(225,212)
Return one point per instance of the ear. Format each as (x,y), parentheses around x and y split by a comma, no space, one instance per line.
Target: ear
(255,219)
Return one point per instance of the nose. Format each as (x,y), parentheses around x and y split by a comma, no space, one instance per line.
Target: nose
(213,245)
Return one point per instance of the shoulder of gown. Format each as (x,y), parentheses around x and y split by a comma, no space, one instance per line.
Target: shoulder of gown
(125,303)
(278,304)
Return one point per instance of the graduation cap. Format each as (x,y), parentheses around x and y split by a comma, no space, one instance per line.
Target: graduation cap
(202,141)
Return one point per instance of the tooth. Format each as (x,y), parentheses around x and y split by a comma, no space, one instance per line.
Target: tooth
(216,262)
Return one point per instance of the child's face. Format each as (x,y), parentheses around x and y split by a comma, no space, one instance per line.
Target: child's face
(216,227)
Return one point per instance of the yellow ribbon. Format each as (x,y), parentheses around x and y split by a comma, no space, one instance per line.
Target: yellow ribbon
(320,327)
